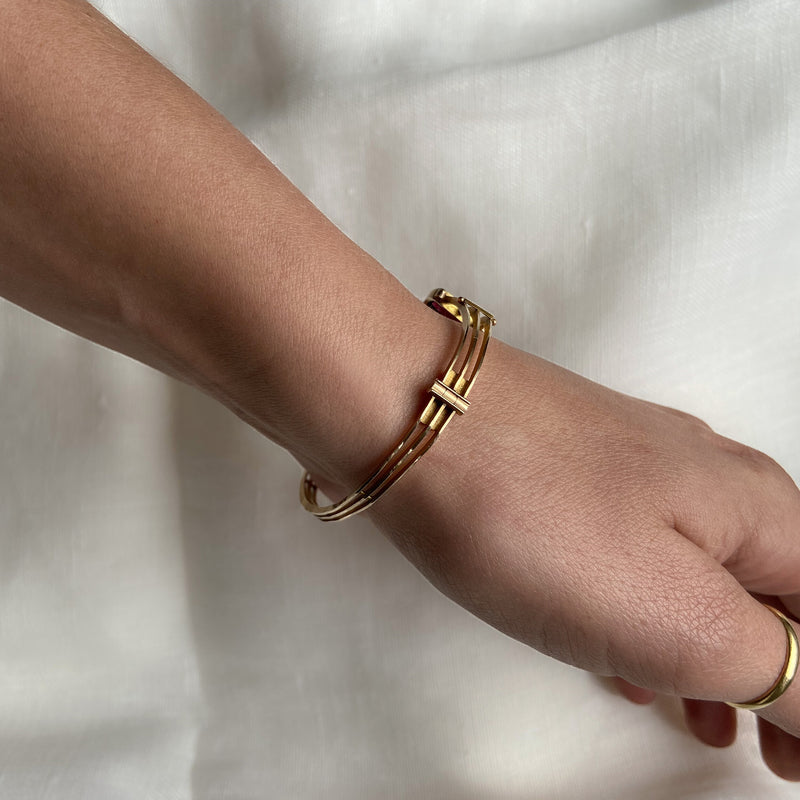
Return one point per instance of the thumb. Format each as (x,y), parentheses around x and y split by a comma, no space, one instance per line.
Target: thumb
(742,660)
(773,634)
(725,645)
(780,745)
(765,561)
(781,750)
(737,650)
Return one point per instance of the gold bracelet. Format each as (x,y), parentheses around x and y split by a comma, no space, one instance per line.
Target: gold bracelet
(448,397)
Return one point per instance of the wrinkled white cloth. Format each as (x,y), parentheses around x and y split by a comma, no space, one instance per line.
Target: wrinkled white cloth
(619,182)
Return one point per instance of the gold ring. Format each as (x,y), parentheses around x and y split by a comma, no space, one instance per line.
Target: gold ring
(788,672)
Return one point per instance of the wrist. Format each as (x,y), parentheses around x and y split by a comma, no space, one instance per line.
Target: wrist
(332,360)
(342,400)
(446,398)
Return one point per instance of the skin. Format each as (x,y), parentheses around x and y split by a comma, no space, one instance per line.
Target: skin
(617,535)
(614,534)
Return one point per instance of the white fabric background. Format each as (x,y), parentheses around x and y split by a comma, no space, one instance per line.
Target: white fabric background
(619,181)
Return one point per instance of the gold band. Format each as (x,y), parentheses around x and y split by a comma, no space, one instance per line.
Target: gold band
(448,397)
(787,673)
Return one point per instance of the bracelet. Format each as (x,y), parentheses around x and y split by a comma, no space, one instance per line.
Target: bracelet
(448,397)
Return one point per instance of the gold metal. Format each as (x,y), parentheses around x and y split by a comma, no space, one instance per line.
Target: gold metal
(454,399)
(448,397)
(787,674)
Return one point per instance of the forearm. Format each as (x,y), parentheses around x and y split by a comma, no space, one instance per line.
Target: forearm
(133,214)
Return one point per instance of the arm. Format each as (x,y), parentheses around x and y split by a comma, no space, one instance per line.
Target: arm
(610,533)
(133,214)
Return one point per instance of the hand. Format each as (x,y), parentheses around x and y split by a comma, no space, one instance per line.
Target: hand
(614,534)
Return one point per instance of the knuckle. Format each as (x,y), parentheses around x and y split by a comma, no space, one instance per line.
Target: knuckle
(685,416)
(770,478)
(696,421)
(759,461)
(765,483)
(754,461)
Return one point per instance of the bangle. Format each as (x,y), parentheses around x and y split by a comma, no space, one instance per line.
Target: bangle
(448,397)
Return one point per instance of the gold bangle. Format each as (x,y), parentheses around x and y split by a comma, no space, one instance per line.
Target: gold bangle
(448,397)
(787,674)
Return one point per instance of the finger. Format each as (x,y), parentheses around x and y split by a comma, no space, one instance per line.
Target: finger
(691,418)
(636,694)
(712,723)
(780,750)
